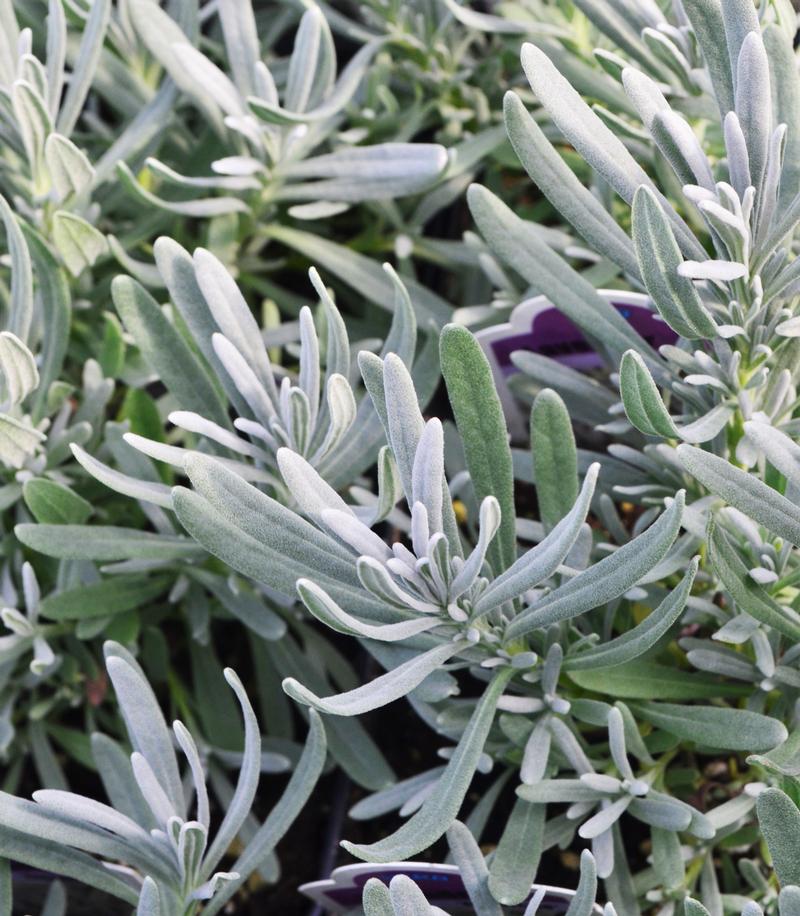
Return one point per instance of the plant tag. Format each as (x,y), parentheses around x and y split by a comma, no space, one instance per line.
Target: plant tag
(539,327)
(441,884)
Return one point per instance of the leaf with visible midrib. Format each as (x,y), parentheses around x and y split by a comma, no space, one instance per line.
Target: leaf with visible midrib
(54,503)
(103,599)
(104,542)
(659,256)
(641,398)
(633,643)
(607,579)
(715,726)
(643,680)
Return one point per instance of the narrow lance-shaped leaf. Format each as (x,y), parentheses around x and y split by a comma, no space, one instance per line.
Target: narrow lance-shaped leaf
(166,351)
(399,409)
(667,858)
(249,773)
(296,794)
(56,52)
(111,596)
(104,542)
(750,597)
(516,859)
(385,689)
(779,449)
(383,170)
(555,458)
(441,807)
(21,305)
(145,723)
(642,399)
(149,899)
(220,535)
(563,189)
(708,25)
(641,638)
(753,101)
(641,679)
(241,42)
(176,267)
(61,860)
(608,579)
(54,503)
(659,257)
(214,82)
(519,245)
(604,151)
(481,424)
(543,560)
(472,868)
(304,60)
(196,207)
(87,58)
(583,902)
(744,491)
(54,296)
(269,522)
(786,103)
(149,491)
(779,819)
(326,610)
(712,726)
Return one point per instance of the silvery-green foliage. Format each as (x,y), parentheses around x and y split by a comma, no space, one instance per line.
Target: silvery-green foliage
(287,159)
(727,387)
(726,299)
(45,168)
(605,798)
(316,410)
(20,439)
(779,820)
(402,895)
(225,369)
(158,825)
(625,652)
(439,601)
(33,315)
(724,395)
(38,673)
(55,83)
(281,130)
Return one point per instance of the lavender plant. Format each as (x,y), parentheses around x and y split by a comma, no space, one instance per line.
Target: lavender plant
(171,860)
(594,628)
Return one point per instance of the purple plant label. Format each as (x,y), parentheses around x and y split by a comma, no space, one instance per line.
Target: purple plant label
(552,334)
(441,884)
